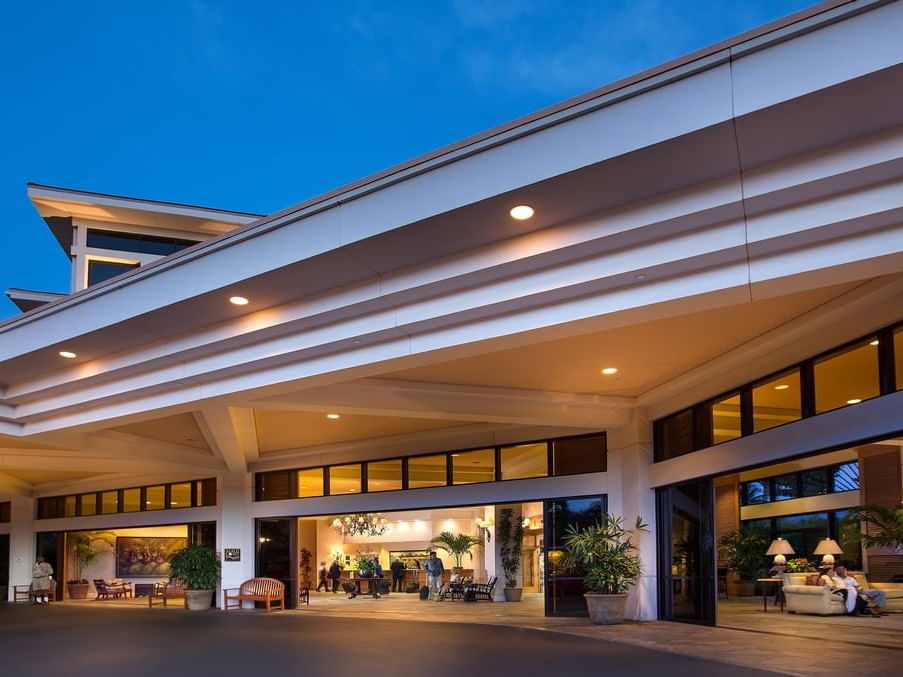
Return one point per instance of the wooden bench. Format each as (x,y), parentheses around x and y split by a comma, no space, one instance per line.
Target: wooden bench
(24,593)
(163,592)
(267,590)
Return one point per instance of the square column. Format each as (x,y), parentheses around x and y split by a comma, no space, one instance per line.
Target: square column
(22,542)
(235,530)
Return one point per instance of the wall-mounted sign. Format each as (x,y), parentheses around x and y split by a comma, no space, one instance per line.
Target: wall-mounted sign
(232,554)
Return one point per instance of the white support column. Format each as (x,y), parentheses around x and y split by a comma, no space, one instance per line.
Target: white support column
(235,529)
(631,495)
(21,542)
(499,592)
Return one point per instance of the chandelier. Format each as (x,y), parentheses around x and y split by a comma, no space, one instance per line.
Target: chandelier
(361,524)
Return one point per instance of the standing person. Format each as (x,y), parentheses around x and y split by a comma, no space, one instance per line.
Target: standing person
(41,572)
(397,569)
(378,578)
(323,578)
(434,569)
(335,574)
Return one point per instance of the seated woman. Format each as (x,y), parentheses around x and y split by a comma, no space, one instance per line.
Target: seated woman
(838,585)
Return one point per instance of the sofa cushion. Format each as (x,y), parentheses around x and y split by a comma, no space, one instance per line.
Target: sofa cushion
(813,579)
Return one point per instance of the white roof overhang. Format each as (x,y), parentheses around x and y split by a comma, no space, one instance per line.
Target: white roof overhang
(640,179)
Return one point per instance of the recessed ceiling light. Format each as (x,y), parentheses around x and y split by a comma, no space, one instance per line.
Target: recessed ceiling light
(522,212)
(174,503)
(608,371)
(855,400)
(641,277)
(781,386)
(454,455)
(874,343)
(333,417)
(68,354)
(238,300)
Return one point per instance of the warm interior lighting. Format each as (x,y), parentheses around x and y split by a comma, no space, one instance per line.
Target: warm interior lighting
(780,548)
(238,300)
(333,417)
(608,371)
(521,212)
(855,400)
(874,343)
(69,355)
(827,547)
(781,386)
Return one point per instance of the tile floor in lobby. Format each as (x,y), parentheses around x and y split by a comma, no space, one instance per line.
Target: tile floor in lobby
(786,643)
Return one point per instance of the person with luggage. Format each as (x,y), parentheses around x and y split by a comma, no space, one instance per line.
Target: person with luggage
(335,574)
(397,569)
(434,570)
(323,578)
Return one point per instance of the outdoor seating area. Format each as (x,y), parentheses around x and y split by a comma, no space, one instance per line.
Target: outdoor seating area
(163,592)
(267,590)
(113,589)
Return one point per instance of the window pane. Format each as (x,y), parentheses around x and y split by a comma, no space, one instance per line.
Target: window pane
(427,471)
(674,436)
(579,455)
(5,508)
(848,537)
(470,467)
(384,475)
(345,479)
(785,487)
(272,486)
(847,378)
(757,491)
(525,460)
(101,271)
(814,482)
(89,504)
(205,491)
(156,498)
(898,357)
(180,495)
(69,506)
(846,477)
(803,531)
(726,419)
(564,512)
(310,483)
(131,500)
(109,501)
(777,401)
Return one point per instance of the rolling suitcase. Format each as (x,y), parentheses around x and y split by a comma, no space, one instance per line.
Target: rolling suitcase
(424,592)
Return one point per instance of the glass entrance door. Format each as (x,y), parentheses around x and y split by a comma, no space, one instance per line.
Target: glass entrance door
(686,553)
(51,546)
(563,587)
(275,548)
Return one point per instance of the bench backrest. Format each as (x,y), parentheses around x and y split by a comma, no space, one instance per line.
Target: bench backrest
(263,586)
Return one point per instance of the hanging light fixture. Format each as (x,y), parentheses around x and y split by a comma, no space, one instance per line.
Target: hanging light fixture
(361,524)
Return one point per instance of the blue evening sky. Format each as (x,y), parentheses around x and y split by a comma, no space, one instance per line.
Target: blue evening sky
(257,105)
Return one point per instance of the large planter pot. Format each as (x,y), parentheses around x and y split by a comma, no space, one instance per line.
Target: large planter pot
(199,600)
(513,594)
(746,588)
(78,590)
(606,609)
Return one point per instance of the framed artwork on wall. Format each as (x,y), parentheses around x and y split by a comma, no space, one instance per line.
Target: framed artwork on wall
(139,557)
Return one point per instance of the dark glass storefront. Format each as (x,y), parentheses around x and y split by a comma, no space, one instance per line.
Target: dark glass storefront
(275,548)
(564,588)
(686,553)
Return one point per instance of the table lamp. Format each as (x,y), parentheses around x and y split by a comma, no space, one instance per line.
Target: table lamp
(780,547)
(828,548)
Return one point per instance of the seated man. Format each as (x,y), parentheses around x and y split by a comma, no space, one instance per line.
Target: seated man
(874,598)
(838,585)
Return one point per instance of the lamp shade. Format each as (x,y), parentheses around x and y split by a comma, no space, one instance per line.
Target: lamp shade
(828,546)
(780,546)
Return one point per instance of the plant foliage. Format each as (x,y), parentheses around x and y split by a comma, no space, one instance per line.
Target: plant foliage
(456,545)
(83,553)
(304,565)
(510,536)
(196,567)
(605,553)
(365,563)
(744,550)
(883,526)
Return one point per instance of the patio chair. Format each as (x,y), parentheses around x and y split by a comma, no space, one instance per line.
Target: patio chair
(477,591)
(107,590)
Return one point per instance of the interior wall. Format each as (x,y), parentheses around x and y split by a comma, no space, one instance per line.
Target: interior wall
(104,542)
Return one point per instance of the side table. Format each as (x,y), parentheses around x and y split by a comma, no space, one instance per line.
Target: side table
(778,584)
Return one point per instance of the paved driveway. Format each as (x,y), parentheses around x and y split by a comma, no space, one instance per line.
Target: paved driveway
(66,640)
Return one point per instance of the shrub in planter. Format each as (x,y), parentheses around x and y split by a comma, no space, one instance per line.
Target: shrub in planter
(608,559)
(82,553)
(510,535)
(197,568)
(456,545)
(744,550)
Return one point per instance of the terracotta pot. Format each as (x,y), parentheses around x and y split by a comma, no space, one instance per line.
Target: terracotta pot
(606,609)
(199,600)
(78,590)
(513,594)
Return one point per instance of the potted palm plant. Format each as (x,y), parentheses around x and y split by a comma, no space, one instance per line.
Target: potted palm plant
(456,545)
(744,551)
(510,537)
(608,559)
(197,569)
(83,553)
(883,526)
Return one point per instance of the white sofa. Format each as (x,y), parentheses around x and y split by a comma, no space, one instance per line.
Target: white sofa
(818,599)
